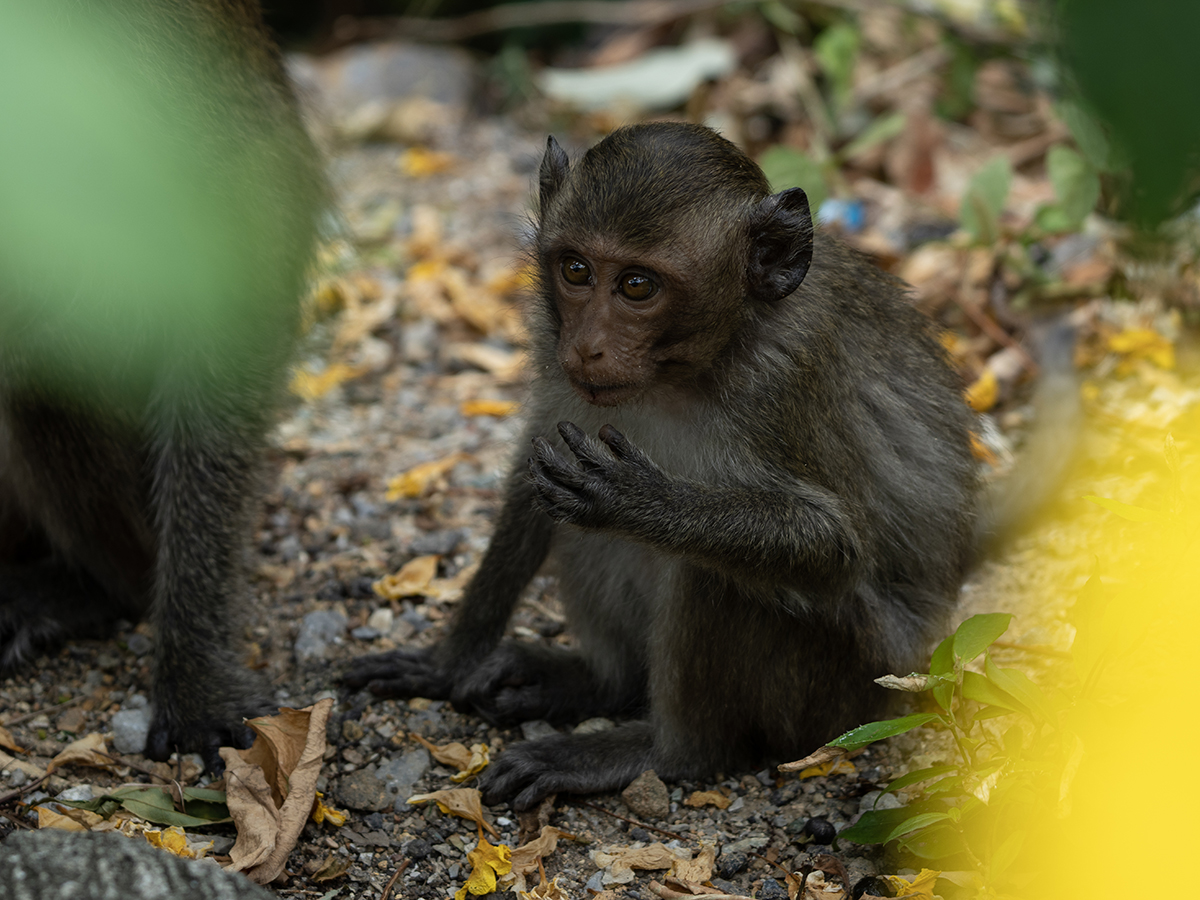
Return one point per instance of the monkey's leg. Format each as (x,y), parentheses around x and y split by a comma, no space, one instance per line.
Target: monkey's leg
(45,603)
(204,482)
(517,550)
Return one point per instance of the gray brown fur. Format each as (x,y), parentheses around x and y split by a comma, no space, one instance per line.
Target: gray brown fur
(778,509)
(133,496)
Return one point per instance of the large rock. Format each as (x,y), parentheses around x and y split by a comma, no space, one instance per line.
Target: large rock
(61,865)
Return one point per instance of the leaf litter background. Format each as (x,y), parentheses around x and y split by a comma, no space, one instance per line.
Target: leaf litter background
(963,178)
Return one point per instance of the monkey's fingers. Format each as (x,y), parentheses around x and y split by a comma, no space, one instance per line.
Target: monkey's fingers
(550,464)
(586,450)
(400,673)
(622,448)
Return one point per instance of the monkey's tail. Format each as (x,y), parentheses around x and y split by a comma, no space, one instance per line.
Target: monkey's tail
(1010,504)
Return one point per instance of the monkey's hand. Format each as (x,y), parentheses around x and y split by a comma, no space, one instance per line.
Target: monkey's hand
(403,673)
(605,488)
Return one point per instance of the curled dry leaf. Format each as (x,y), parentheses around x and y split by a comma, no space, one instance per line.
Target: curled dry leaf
(271,788)
(8,742)
(488,862)
(818,757)
(619,862)
(468,762)
(462,802)
(420,479)
(547,890)
(914,683)
(833,767)
(527,857)
(87,751)
(413,578)
(699,868)
(71,820)
(699,799)
(334,867)
(11,763)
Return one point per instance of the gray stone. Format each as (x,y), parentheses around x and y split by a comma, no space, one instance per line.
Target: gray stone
(744,845)
(139,644)
(57,865)
(81,793)
(878,800)
(400,774)
(130,728)
(318,630)
(363,791)
(392,71)
(537,728)
(647,796)
(592,726)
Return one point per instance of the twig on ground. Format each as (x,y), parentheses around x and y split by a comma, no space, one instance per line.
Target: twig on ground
(387,888)
(609,812)
(124,762)
(25,717)
(23,789)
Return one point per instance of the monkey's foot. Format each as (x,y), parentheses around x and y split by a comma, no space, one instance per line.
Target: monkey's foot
(570,763)
(22,637)
(202,718)
(401,673)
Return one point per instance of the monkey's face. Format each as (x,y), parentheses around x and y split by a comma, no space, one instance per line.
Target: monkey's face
(628,320)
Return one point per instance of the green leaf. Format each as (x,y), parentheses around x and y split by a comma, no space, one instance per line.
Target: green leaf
(881,130)
(836,50)
(875,824)
(977,687)
(1006,854)
(155,805)
(1076,184)
(782,17)
(205,794)
(1125,510)
(1088,134)
(938,842)
(877,731)
(916,776)
(921,820)
(1017,684)
(942,664)
(977,633)
(984,199)
(945,786)
(787,168)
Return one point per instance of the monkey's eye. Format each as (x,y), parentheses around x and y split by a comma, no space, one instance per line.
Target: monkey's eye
(637,287)
(576,271)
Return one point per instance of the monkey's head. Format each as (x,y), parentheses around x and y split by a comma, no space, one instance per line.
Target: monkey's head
(655,250)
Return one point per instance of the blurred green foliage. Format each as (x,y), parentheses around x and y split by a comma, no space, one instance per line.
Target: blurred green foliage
(1137,66)
(157,202)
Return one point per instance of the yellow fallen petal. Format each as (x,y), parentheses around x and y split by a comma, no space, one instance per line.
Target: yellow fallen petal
(833,767)
(498,408)
(981,396)
(487,862)
(322,813)
(309,385)
(418,162)
(414,576)
(420,478)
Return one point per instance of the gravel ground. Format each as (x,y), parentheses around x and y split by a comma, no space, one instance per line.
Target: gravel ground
(327,532)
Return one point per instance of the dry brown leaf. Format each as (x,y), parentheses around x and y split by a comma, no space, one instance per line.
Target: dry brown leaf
(69,820)
(621,861)
(413,578)
(818,757)
(468,761)
(700,799)
(271,788)
(699,868)
(9,742)
(421,478)
(12,763)
(832,767)
(504,364)
(527,858)
(84,752)
(462,802)
(547,890)
(334,867)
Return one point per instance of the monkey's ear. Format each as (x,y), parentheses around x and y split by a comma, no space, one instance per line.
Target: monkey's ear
(552,174)
(781,245)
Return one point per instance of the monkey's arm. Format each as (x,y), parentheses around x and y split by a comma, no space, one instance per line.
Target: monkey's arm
(791,533)
(517,550)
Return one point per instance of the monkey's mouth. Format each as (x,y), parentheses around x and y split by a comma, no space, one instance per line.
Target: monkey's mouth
(603,394)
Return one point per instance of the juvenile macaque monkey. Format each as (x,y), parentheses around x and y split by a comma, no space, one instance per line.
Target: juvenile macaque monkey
(751,466)
(161,206)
